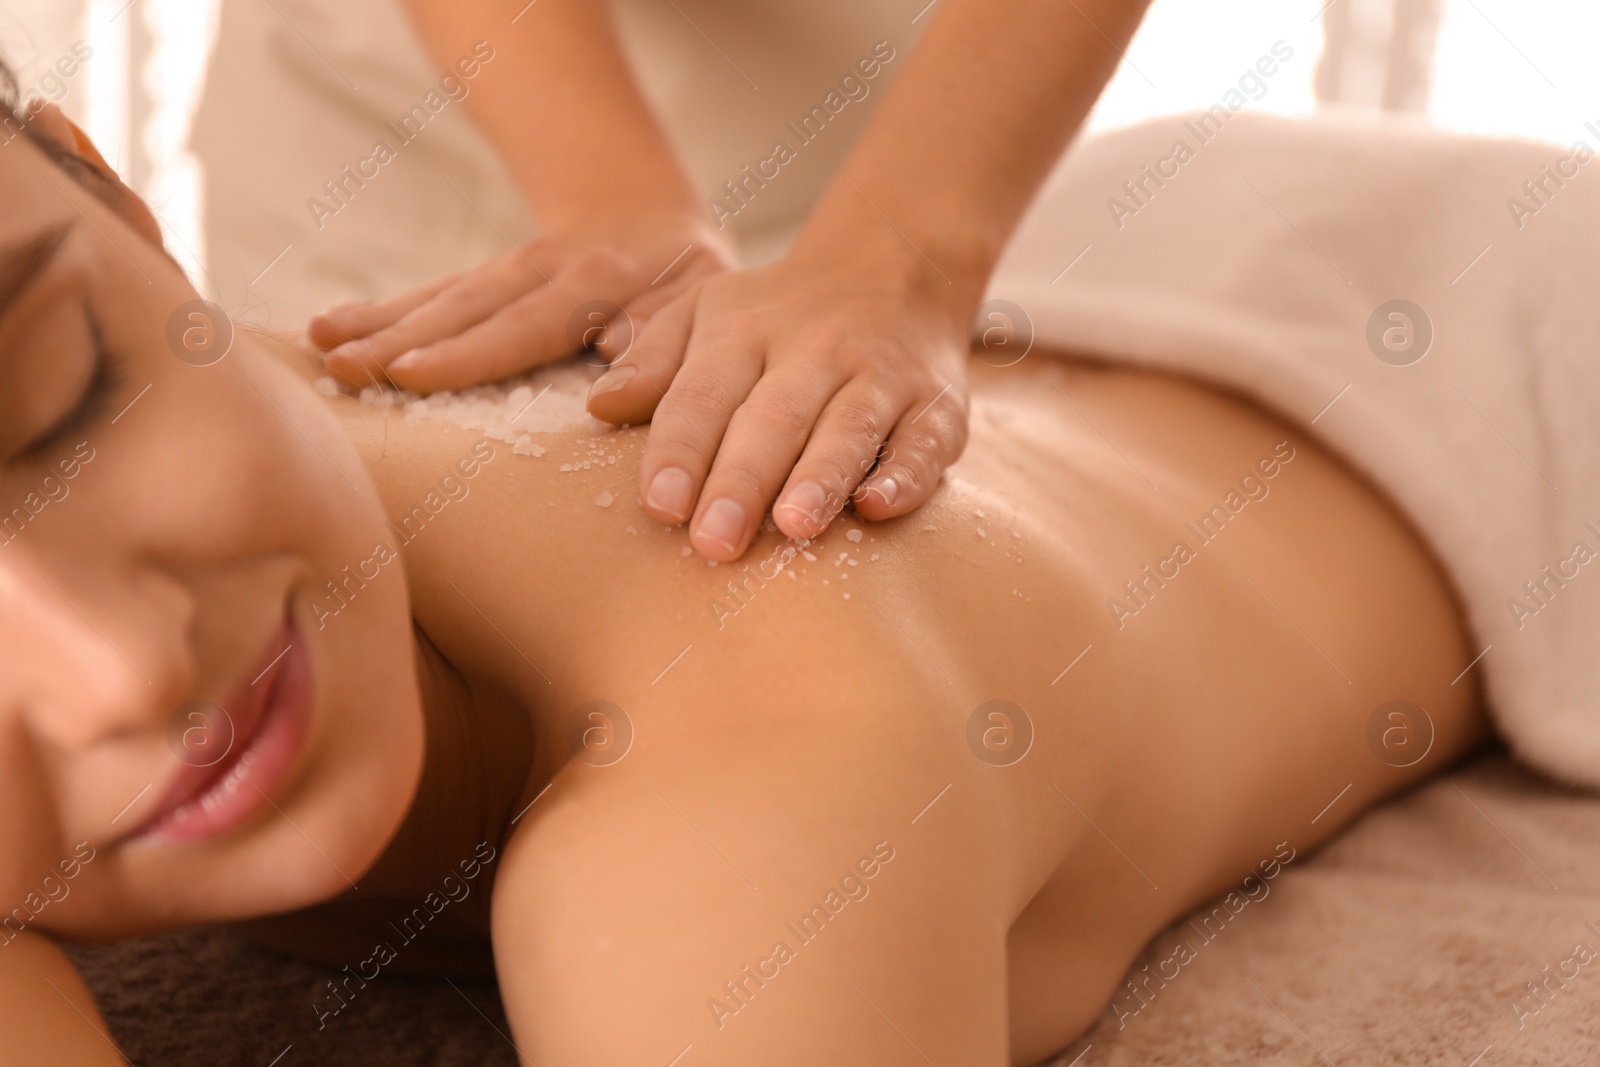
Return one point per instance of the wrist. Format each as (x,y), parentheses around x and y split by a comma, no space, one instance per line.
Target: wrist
(943,265)
(650,186)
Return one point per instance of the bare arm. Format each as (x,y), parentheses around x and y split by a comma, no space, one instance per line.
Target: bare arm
(46,1012)
(561,106)
(859,336)
(623,227)
(985,106)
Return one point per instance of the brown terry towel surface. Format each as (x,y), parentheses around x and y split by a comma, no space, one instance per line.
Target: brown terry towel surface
(1410,940)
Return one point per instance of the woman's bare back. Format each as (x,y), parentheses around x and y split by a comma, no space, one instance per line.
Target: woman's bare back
(1132,646)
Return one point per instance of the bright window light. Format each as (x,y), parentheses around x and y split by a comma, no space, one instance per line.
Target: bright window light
(1518,68)
(1189,52)
(181,34)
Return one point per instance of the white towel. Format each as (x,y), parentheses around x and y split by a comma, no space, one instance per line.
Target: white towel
(1257,257)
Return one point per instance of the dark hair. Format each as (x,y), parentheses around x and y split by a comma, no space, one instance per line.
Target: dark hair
(16,120)
(78,161)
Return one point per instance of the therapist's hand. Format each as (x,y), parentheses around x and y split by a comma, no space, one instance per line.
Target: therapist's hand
(536,303)
(786,383)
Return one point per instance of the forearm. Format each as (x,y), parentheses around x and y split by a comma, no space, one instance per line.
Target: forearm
(962,141)
(561,107)
(46,1012)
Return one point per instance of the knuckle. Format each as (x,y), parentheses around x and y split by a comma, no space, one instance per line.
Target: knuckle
(785,411)
(741,326)
(701,392)
(918,447)
(831,336)
(600,259)
(862,423)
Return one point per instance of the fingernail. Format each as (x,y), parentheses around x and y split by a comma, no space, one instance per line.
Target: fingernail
(670,492)
(723,523)
(884,487)
(809,503)
(406,360)
(612,380)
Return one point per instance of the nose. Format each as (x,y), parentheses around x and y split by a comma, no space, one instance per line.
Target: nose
(86,660)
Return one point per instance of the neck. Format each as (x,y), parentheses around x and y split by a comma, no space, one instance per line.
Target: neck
(479,753)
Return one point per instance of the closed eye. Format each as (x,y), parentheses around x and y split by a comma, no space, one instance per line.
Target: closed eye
(104,382)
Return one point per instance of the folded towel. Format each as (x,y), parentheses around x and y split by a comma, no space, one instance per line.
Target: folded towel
(1424,303)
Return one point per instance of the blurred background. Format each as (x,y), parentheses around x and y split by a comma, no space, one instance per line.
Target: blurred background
(1497,67)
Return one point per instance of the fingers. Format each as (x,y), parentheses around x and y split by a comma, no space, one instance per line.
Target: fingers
(635,384)
(927,439)
(841,451)
(465,301)
(625,328)
(691,266)
(765,436)
(348,322)
(523,333)
(691,421)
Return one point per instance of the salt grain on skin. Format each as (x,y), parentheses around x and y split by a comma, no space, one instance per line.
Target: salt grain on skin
(549,399)
(853,535)
(605,498)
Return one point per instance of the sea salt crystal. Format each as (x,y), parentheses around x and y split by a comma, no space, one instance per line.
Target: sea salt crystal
(930,528)
(874,558)
(632,530)
(566,466)
(981,533)
(853,562)
(846,595)
(808,555)
(526,447)
(605,498)
(326,386)
(550,399)
(853,535)
(686,550)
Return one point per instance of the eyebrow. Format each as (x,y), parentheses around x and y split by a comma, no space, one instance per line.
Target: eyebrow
(24,260)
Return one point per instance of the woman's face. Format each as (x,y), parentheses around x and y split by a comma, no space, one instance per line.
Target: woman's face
(164,527)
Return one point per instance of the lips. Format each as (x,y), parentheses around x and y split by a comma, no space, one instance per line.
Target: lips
(270,712)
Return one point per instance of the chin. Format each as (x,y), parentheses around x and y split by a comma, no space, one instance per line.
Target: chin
(314,835)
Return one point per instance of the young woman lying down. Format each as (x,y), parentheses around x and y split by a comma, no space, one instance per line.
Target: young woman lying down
(917,792)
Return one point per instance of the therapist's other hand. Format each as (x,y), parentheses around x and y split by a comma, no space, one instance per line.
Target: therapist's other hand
(536,303)
(783,385)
